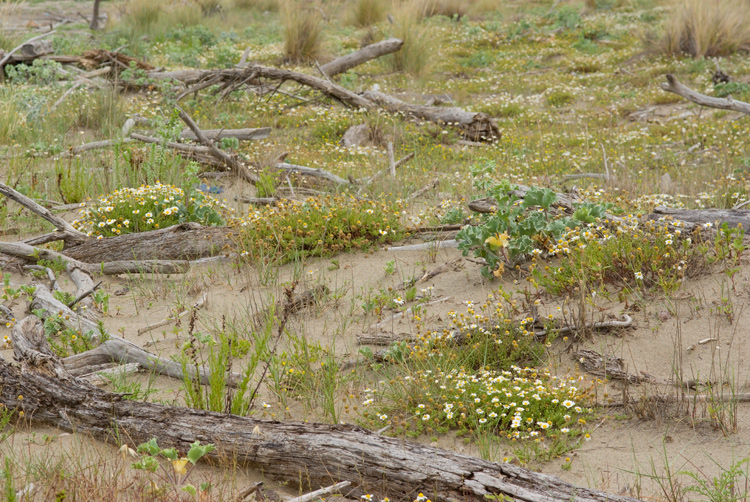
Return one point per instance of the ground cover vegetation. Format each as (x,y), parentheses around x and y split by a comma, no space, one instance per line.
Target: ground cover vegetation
(589,146)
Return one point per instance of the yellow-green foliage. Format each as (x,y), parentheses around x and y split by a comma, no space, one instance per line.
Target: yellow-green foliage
(303,29)
(318,227)
(419,43)
(708,28)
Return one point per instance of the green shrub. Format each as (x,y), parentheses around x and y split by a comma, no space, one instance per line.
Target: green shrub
(132,210)
(317,227)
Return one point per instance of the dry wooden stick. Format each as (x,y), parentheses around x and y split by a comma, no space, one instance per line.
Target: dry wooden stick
(62,225)
(231,161)
(196,306)
(396,165)
(674,86)
(317,493)
(429,186)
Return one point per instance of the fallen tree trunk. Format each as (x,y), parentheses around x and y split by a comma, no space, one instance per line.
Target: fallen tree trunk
(473,126)
(363,55)
(186,241)
(314,454)
(732,217)
(34,254)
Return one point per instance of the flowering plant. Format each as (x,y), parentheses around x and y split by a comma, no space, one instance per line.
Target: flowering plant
(518,227)
(149,207)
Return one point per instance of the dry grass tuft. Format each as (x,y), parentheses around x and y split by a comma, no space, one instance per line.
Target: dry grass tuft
(707,29)
(303,28)
(142,15)
(419,43)
(259,5)
(367,12)
(448,8)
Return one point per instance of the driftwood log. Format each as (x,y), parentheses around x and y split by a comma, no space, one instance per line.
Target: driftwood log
(564,201)
(186,241)
(674,86)
(732,217)
(473,126)
(363,55)
(311,454)
(239,134)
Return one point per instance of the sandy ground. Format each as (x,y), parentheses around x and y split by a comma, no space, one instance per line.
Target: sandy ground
(624,442)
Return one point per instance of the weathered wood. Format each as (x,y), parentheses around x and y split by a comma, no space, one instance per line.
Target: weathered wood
(186,241)
(34,254)
(231,161)
(473,126)
(59,223)
(674,86)
(240,134)
(363,55)
(95,18)
(732,217)
(27,51)
(489,204)
(308,453)
(114,349)
(311,171)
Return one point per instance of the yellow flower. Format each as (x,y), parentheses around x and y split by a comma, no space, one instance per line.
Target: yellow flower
(179,466)
(498,241)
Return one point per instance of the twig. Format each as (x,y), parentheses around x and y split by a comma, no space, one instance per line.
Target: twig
(429,186)
(254,488)
(84,294)
(391,160)
(196,306)
(395,317)
(317,493)
(65,95)
(399,163)
(7,312)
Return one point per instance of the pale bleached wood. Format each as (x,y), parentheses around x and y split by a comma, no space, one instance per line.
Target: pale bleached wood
(239,134)
(34,254)
(674,86)
(45,213)
(732,217)
(363,55)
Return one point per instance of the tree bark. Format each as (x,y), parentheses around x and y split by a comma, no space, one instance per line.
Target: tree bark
(95,20)
(186,241)
(473,126)
(34,254)
(311,454)
(732,217)
(363,55)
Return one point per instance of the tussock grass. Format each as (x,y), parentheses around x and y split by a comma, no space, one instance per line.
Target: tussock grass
(708,29)
(448,8)
(419,43)
(261,5)
(303,28)
(367,12)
